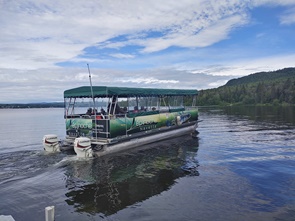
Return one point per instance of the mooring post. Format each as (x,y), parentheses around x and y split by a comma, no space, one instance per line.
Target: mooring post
(49,213)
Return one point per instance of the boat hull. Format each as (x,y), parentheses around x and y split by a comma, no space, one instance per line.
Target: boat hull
(113,134)
(118,127)
(143,140)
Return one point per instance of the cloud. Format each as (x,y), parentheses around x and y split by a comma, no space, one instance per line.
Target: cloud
(288,17)
(49,84)
(238,68)
(256,3)
(217,32)
(39,34)
(45,45)
(217,83)
(120,55)
(150,80)
(203,30)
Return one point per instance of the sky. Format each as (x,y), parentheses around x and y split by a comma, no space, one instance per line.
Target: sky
(45,45)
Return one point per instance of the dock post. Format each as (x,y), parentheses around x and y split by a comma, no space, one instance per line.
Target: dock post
(49,213)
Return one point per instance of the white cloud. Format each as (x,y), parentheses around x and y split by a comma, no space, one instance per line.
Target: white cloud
(289,17)
(217,83)
(37,35)
(256,3)
(198,26)
(217,32)
(150,80)
(120,55)
(238,68)
(49,84)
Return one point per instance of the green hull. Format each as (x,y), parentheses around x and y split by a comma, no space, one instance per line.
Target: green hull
(123,126)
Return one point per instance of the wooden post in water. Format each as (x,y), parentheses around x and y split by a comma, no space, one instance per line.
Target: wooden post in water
(49,213)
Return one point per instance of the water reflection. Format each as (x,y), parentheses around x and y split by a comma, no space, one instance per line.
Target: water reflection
(109,184)
(258,145)
(275,114)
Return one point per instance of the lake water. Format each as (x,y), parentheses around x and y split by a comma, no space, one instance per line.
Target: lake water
(240,167)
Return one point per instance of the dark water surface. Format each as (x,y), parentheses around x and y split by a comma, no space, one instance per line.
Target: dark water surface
(240,167)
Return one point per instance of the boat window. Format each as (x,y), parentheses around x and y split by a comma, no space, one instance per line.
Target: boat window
(175,102)
(117,106)
(190,101)
(143,104)
(85,107)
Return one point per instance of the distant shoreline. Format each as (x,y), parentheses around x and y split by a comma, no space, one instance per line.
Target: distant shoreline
(61,105)
(32,105)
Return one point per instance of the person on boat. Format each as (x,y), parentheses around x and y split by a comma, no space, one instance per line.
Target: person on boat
(125,110)
(89,111)
(142,108)
(102,111)
(94,111)
(114,106)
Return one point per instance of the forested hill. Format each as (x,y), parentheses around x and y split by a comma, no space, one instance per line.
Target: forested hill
(276,87)
(263,76)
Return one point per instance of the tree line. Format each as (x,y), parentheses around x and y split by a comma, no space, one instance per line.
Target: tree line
(275,88)
(32,105)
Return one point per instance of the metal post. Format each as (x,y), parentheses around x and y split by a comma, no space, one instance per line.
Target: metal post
(93,102)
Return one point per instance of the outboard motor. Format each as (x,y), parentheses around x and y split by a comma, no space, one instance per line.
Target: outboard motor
(82,147)
(51,143)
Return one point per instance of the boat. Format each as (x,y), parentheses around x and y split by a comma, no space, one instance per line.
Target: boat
(101,120)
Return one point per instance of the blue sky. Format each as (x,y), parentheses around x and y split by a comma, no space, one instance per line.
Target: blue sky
(45,45)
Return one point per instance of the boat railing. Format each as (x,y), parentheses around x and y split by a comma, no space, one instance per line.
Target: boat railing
(176,109)
(142,113)
(191,107)
(73,116)
(130,114)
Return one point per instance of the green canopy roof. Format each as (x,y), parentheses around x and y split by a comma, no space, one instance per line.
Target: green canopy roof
(103,91)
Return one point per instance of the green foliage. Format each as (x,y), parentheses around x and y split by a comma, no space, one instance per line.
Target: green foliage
(277,87)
